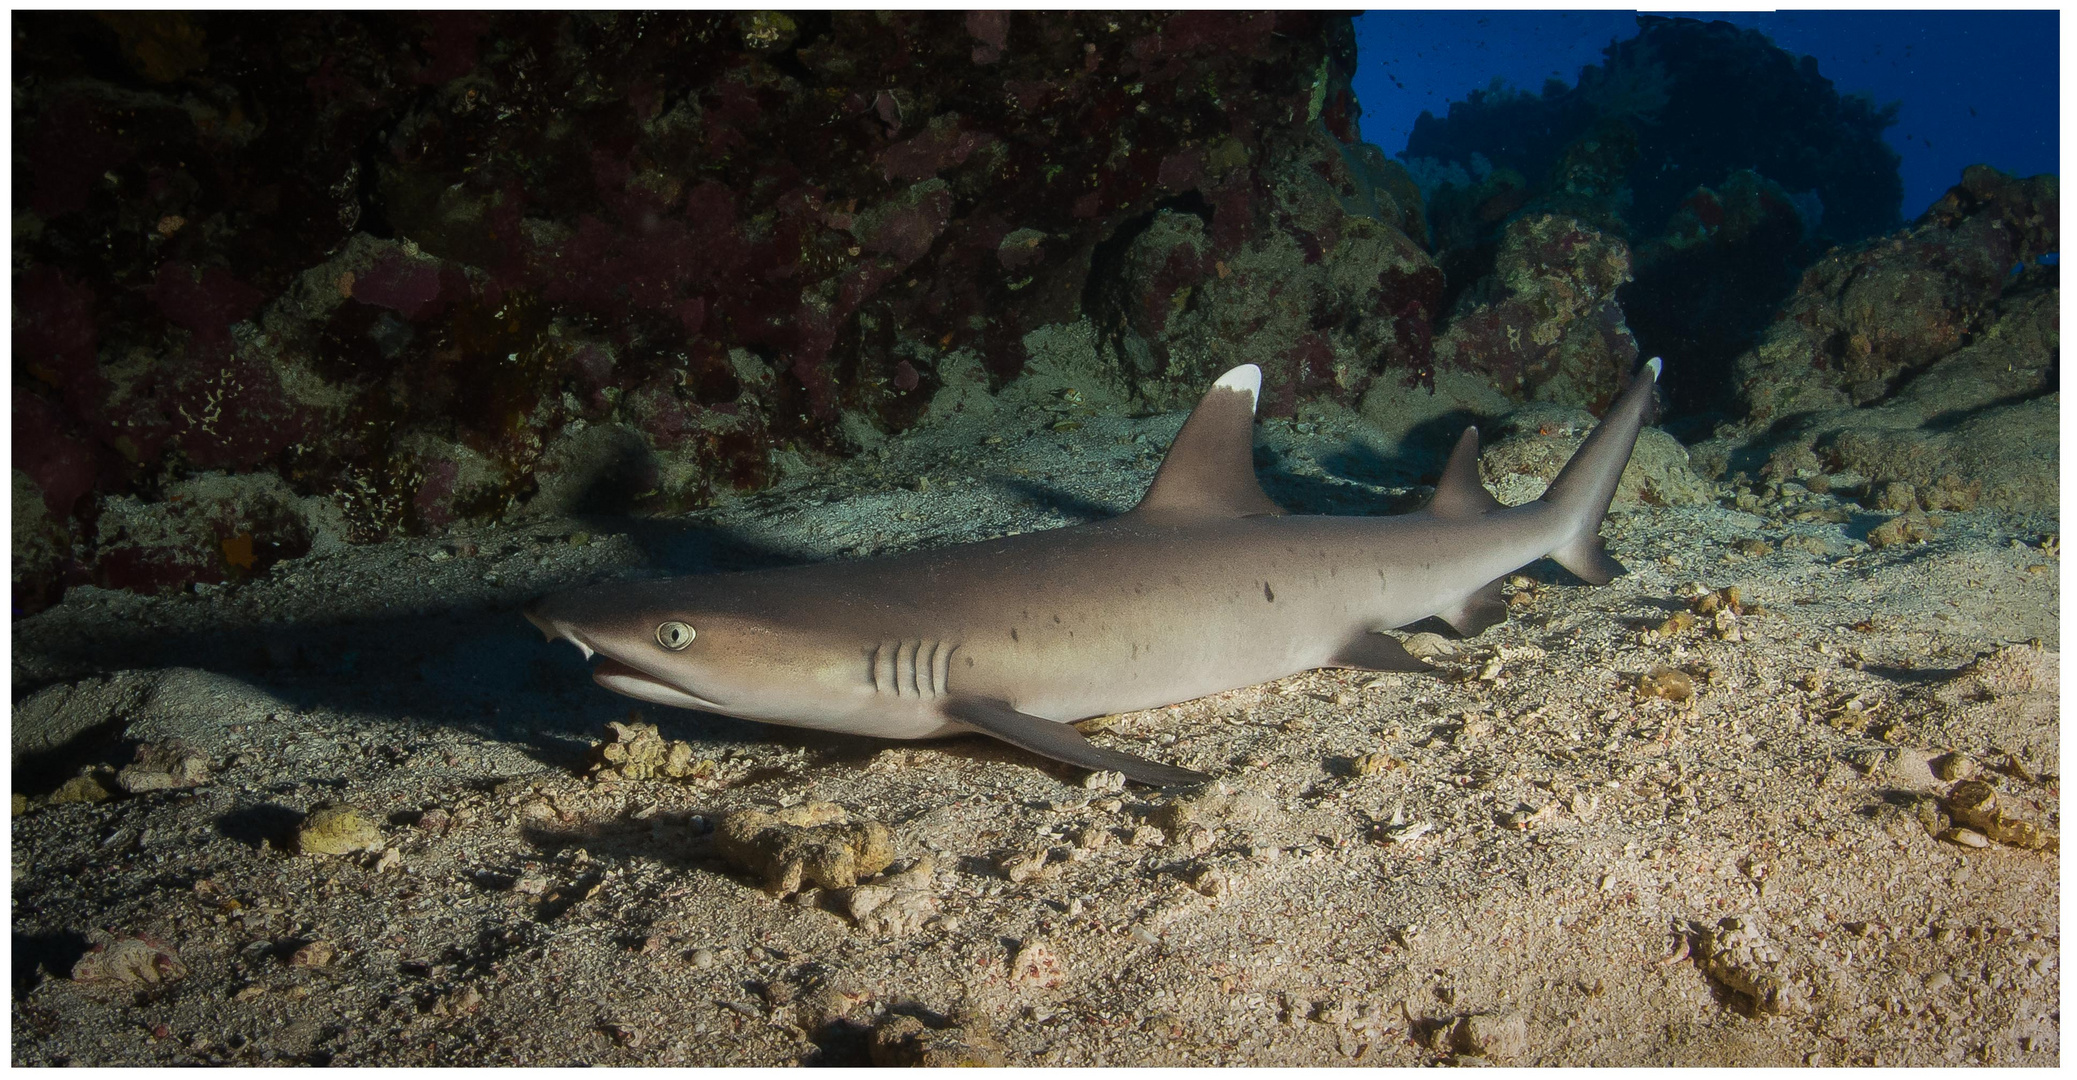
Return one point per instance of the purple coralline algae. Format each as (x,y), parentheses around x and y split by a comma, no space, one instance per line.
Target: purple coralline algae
(471,266)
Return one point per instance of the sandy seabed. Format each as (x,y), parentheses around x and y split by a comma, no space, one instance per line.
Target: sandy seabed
(1600,834)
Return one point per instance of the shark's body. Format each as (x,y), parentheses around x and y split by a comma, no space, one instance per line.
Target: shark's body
(1205,586)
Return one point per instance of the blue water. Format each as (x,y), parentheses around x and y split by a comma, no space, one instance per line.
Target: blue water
(1975,87)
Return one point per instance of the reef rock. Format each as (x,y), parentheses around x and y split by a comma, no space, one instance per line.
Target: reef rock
(810,845)
(1546,324)
(1725,163)
(430,268)
(1926,358)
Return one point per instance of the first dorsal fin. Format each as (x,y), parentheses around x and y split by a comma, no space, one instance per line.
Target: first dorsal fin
(1210,469)
(1459,494)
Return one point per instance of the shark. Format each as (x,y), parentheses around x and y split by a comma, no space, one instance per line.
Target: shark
(1205,586)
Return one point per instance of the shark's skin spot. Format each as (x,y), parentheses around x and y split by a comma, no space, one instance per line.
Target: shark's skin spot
(783,646)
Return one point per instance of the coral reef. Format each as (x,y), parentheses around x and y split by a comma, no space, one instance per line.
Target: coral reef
(1546,324)
(1725,163)
(463,266)
(1925,358)
(1865,319)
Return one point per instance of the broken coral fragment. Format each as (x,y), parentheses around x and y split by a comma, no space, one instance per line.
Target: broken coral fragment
(810,844)
(129,961)
(337,830)
(1976,804)
(635,751)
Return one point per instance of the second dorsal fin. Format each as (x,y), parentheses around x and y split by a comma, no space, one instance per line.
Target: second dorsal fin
(1459,494)
(1210,468)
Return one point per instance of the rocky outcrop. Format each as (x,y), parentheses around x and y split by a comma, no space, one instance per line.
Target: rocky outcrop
(433,268)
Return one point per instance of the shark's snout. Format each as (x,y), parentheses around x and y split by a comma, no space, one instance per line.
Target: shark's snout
(543,615)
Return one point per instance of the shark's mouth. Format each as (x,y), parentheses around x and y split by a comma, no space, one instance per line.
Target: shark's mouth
(619,677)
(638,684)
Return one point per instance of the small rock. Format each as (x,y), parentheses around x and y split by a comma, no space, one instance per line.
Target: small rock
(1211,806)
(1954,767)
(313,954)
(159,768)
(904,1042)
(1425,646)
(1501,1038)
(1373,763)
(1028,866)
(635,751)
(129,961)
(1104,780)
(1035,965)
(1738,954)
(80,789)
(1671,684)
(702,958)
(1976,804)
(1680,623)
(1911,527)
(813,843)
(1896,496)
(337,830)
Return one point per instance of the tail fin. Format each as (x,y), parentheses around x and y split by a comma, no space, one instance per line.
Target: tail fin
(1586,485)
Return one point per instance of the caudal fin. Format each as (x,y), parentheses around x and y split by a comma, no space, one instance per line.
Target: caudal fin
(1586,485)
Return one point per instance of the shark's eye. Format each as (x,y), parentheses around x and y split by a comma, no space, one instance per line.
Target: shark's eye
(674,635)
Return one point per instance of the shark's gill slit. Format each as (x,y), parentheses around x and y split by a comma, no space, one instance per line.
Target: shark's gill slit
(941,668)
(906,666)
(883,668)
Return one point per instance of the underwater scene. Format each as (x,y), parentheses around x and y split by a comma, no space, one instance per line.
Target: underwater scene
(1216,538)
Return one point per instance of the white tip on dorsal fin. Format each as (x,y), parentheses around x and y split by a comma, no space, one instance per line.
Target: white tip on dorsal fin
(1246,377)
(1652,365)
(1210,469)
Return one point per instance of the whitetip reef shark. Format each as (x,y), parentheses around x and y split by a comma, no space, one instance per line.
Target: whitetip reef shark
(1205,586)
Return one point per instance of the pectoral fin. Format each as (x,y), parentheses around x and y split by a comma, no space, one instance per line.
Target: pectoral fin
(1063,743)
(1480,610)
(1377,652)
